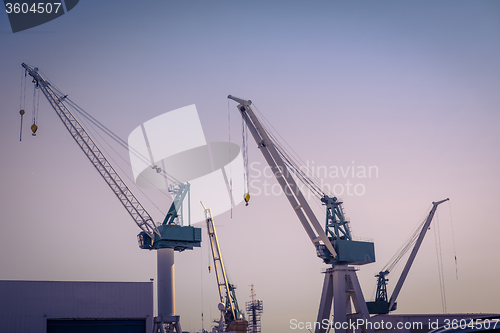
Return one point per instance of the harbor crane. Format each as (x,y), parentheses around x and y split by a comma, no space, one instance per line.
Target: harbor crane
(232,318)
(333,242)
(382,304)
(165,237)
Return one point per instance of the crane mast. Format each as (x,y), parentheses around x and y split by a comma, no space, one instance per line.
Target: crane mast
(92,151)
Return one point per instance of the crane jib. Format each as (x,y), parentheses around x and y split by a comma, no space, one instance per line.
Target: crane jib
(167,236)
(83,139)
(333,242)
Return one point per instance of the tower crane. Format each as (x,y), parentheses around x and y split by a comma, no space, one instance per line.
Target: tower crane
(333,241)
(166,238)
(382,304)
(232,318)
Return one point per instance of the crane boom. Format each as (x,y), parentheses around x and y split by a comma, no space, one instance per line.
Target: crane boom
(302,209)
(94,154)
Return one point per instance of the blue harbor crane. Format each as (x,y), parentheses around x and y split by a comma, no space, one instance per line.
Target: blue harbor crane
(382,303)
(166,237)
(333,241)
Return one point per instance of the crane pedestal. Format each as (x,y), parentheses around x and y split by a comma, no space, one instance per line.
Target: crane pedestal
(166,321)
(342,290)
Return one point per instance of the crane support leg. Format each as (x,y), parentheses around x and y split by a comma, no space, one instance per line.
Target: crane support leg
(167,321)
(325,305)
(341,287)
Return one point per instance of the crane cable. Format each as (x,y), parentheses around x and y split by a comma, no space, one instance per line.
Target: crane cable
(117,139)
(122,143)
(111,134)
(407,245)
(439,254)
(244,135)
(22,100)
(453,238)
(293,161)
(123,172)
(230,166)
(103,128)
(91,120)
(36,103)
(410,242)
(294,167)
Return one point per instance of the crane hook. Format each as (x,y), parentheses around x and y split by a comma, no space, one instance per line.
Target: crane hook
(21,131)
(33,129)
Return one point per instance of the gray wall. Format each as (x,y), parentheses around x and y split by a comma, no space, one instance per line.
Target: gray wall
(25,306)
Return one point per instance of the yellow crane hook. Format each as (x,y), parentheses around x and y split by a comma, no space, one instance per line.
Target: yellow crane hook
(33,129)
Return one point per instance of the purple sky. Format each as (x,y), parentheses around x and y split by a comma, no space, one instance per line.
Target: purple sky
(409,88)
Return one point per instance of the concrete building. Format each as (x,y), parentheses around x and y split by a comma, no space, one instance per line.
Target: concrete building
(76,307)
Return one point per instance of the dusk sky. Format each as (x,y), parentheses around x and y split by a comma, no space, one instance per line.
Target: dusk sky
(411,89)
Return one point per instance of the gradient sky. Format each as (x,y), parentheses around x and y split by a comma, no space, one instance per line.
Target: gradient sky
(409,87)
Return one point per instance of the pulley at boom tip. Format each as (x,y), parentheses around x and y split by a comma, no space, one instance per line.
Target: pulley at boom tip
(440,202)
(239,100)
